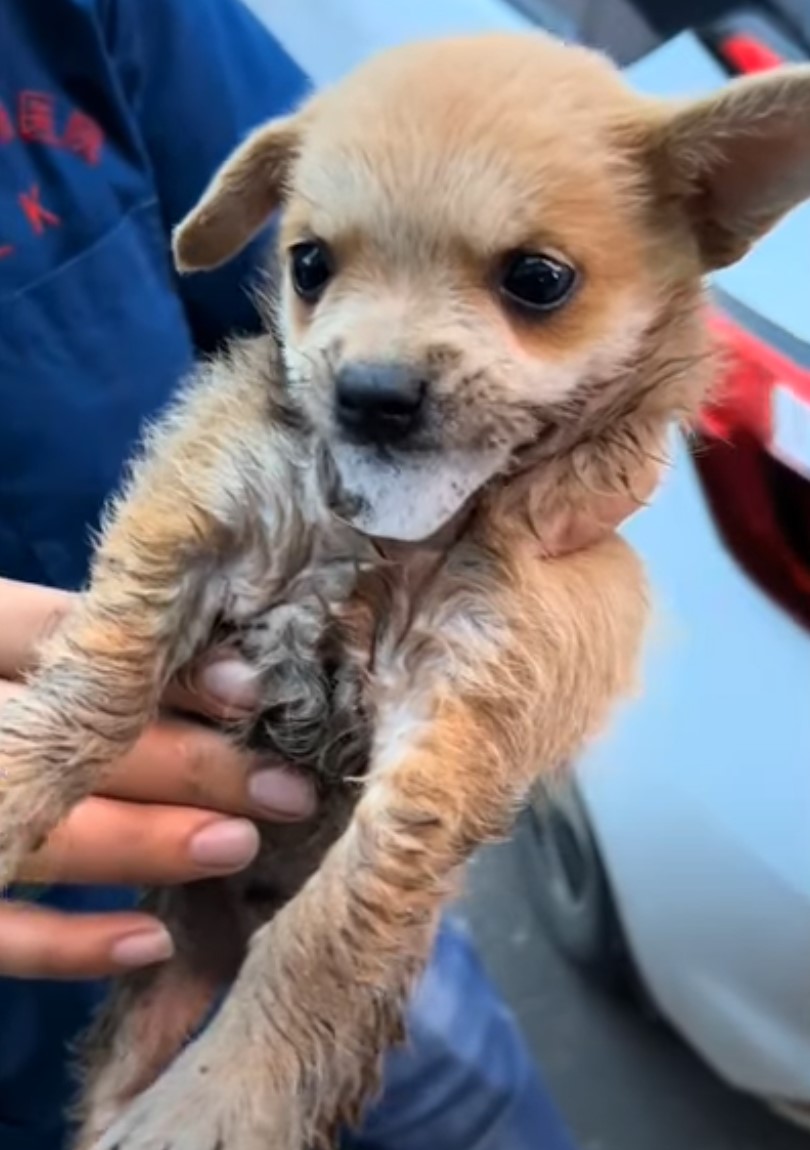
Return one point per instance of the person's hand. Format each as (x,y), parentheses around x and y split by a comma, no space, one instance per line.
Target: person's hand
(178,808)
(601,514)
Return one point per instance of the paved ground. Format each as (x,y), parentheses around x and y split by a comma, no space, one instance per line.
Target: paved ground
(622,1082)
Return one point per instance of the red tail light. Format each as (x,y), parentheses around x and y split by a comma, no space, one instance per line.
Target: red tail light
(747,54)
(753,457)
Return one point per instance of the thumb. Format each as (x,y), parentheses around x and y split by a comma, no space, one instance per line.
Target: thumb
(222,686)
(28,615)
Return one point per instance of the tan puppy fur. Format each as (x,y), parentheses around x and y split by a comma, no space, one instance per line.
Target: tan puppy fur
(417,652)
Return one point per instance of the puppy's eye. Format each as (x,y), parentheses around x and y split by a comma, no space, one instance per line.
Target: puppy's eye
(311,268)
(537,283)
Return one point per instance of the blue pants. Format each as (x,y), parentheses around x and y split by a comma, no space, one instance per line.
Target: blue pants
(466,1081)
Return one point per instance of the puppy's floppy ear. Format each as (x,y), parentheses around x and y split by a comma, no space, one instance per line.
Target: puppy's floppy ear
(739,159)
(241,197)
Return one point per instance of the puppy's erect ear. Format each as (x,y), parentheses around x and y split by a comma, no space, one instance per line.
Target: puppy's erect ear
(739,159)
(242,196)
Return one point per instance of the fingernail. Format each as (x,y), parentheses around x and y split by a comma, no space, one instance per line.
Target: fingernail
(143,949)
(231,682)
(227,845)
(282,793)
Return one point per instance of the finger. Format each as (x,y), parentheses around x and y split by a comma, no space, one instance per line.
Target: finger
(222,686)
(28,615)
(104,841)
(602,513)
(179,763)
(39,943)
(9,690)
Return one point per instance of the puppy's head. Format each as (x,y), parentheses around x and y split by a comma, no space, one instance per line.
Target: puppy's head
(488,243)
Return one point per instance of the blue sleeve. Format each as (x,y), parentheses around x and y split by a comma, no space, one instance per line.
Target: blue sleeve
(198,75)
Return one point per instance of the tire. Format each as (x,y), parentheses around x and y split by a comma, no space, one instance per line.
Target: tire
(569,888)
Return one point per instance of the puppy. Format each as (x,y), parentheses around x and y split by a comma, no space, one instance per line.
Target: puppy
(490,312)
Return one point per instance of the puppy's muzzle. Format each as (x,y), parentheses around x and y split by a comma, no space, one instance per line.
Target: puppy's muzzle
(379,403)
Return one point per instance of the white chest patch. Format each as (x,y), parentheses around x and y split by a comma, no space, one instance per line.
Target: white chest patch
(410,497)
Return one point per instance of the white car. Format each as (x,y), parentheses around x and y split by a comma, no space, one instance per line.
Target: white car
(685,844)
(683,848)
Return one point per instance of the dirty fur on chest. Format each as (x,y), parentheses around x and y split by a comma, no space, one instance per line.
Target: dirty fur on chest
(312,648)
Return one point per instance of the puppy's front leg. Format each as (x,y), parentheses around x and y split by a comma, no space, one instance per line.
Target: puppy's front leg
(294,1052)
(101,675)
(96,688)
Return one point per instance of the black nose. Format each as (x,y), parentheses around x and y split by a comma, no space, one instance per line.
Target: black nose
(379,402)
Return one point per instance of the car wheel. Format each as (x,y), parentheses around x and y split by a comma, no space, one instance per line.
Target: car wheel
(569,887)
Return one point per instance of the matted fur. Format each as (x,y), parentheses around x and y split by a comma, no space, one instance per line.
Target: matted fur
(425,685)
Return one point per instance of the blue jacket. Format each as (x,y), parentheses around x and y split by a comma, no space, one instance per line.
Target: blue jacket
(113,116)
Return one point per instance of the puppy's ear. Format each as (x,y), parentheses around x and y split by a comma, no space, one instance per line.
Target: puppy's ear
(739,159)
(243,194)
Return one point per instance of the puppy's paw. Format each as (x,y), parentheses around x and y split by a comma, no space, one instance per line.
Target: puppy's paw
(208,1102)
